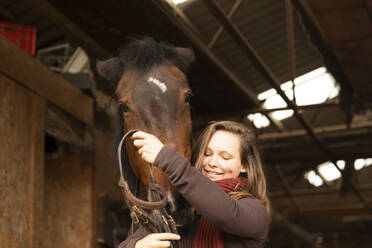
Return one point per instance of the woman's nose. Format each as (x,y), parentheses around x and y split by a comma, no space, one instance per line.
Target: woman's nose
(213,162)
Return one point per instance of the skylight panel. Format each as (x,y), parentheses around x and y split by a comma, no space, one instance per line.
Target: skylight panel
(178,1)
(313,178)
(259,120)
(277,102)
(314,87)
(360,163)
(341,164)
(266,94)
(328,171)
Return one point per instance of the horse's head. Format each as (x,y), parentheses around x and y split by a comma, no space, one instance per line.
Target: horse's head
(154,94)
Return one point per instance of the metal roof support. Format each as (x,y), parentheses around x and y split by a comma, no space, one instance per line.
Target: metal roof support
(291,45)
(286,188)
(329,58)
(262,68)
(217,35)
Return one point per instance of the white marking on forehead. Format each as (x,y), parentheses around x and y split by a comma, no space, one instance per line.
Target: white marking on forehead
(161,85)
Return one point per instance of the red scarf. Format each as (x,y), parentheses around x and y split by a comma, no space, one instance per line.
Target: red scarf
(208,236)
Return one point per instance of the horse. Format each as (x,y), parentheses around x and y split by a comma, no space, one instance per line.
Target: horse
(153,95)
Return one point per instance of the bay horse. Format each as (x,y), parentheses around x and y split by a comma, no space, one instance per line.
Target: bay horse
(154,96)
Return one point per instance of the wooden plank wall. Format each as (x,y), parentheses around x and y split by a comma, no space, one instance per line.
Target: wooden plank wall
(68,202)
(21,165)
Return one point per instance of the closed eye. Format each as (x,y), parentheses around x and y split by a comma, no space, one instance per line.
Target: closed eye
(226,156)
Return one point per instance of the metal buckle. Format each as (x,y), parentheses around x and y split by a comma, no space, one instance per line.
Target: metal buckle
(165,220)
(134,213)
(136,210)
(134,217)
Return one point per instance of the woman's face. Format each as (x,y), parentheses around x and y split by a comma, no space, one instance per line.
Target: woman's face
(221,159)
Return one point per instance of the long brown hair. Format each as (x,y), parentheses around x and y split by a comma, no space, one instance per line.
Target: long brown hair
(250,158)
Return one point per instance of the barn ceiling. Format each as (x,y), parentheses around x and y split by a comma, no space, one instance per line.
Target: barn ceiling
(226,77)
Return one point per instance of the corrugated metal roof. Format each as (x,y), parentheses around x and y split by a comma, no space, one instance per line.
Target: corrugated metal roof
(263,24)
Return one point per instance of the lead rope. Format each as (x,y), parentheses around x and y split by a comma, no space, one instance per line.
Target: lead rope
(151,215)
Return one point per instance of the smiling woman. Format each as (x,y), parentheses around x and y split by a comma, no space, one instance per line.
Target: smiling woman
(228,174)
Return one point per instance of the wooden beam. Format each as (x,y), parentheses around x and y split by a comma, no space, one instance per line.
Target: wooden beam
(67,129)
(317,191)
(29,72)
(70,29)
(328,211)
(318,130)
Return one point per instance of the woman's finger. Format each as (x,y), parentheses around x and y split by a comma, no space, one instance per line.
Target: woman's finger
(140,151)
(157,240)
(165,236)
(139,135)
(138,143)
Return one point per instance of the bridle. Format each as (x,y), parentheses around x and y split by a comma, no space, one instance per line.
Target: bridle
(150,214)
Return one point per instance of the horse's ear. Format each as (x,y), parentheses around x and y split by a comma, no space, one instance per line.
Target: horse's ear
(187,54)
(110,68)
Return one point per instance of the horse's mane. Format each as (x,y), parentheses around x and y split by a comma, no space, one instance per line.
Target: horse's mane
(142,55)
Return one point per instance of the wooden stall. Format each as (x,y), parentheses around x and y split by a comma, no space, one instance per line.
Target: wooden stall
(48,199)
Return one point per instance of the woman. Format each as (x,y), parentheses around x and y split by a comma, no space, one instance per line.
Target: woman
(227,189)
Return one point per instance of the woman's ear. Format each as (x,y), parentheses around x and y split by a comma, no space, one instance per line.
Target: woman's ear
(243,169)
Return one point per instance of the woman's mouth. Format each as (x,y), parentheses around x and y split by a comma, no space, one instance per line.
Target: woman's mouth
(212,173)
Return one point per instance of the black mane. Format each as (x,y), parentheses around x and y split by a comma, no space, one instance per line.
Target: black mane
(143,54)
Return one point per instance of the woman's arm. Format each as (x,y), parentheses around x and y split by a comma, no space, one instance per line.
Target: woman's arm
(245,217)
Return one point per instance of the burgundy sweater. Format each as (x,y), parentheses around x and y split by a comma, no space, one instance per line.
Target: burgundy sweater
(243,222)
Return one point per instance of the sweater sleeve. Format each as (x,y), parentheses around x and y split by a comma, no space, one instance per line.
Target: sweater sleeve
(130,241)
(245,217)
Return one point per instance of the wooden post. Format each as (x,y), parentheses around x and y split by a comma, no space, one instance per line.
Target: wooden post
(21,165)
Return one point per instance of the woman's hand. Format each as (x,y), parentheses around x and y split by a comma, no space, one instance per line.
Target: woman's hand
(157,240)
(148,145)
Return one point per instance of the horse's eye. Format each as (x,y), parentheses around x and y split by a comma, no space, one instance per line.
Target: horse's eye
(123,107)
(188,97)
